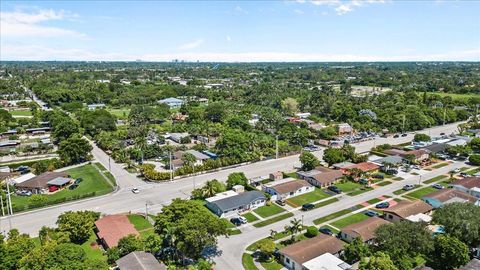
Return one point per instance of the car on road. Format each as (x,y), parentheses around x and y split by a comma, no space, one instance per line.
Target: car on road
(237,221)
(408,187)
(382,205)
(442,134)
(326,231)
(462,174)
(416,167)
(437,186)
(457,170)
(396,135)
(78,181)
(335,189)
(371,213)
(135,190)
(404,135)
(73,186)
(308,206)
(280,202)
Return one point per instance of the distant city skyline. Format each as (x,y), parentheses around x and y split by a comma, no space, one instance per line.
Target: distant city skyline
(241,31)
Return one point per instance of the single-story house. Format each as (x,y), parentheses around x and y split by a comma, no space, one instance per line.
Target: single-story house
(60,182)
(295,255)
(326,261)
(40,130)
(394,160)
(470,185)
(7,175)
(40,183)
(139,260)
(419,155)
(22,178)
(458,142)
(342,165)
(435,148)
(445,196)
(237,204)
(344,129)
(177,137)
(110,229)
(9,144)
(173,103)
(286,188)
(364,229)
(199,156)
(303,115)
(404,210)
(321,177)
(363,166)
(92,107)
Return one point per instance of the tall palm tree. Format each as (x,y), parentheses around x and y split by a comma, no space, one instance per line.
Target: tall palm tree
(210,189)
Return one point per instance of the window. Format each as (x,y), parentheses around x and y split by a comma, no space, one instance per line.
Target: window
(287,260)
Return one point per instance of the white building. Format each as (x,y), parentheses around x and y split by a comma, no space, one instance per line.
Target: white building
(287,188)
(326,261)
(173,103)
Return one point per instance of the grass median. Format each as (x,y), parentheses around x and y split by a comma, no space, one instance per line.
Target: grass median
(272,220)
(331,216)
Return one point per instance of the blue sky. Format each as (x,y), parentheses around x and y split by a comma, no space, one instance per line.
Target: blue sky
(325,30)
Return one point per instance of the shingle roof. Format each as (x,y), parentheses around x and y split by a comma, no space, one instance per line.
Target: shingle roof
(417,153)
(306,250)
(363,166)
(365,229)
(41,180)
(198,155)
(238,200)
(114,227)
(467,182)
(327,177)
(59,181)
(291,186)
(405,209)
(390,159)
(445,195)
(139,260)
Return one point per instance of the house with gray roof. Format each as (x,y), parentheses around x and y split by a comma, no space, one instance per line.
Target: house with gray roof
(237,204)
(173,103)
(139,260)
(394,160)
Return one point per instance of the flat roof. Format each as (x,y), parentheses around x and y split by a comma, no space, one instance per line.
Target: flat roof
(326,261)
(223,195)
(59,181)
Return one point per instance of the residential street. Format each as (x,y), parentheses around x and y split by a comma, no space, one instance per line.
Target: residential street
(155,195)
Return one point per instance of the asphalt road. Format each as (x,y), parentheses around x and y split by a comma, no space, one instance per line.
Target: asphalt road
(155,195)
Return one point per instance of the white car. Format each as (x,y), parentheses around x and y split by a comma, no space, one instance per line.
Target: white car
(135,190)
(243,219)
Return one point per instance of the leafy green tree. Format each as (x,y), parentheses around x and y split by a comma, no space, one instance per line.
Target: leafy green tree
(333,155)
(289,106)
(312,231)
(128,244)
(309,161)
(420,137)
(460,220)
(14,249)
(188,159)
(448,253)
(474,159)
(379,261)
(236,178)
(215,112)
(475,144)
(97,121)
(267,248)
(74,150)
(153,243)
(356,250)
(67,256)
(391,240)
(78,225)
(64,128)
(37,200)
(212,187)
(190,228)
(327,133)
(38,258)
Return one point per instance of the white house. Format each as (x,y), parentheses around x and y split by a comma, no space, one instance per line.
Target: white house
(173,103)
(92,107)
(470,185)
(326,261)
(228,205)
(287,188)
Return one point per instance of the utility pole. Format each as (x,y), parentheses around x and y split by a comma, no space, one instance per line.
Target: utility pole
(9,203)
(146,210)
(171,169)
(1,202)
(276,147)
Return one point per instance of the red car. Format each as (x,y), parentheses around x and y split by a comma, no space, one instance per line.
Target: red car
(52,188)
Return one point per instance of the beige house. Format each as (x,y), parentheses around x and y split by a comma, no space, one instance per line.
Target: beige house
(365,229)
(407,210)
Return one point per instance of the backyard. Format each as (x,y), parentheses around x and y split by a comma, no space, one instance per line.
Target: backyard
(93,184)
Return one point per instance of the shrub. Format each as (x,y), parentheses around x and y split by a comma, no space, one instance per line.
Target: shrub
(474,159)
(312,231)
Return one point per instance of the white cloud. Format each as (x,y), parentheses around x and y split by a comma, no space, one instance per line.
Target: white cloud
(343,6)
(239,9)
(191,45)
(228,38)
(298,11)
(28,24)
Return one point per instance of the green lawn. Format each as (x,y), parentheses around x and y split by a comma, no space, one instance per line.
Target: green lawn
(331,216)
(384,183)
(435,179)
(454,95)
(120,113)
(398,178)
(348,186)
(355,218)
(421,192)
(93,253)
(20,113)
(250,217)
(93,184)
(269,210)
(473,171)
(272,220)
(335,231)
(440,165)
(374,200)
(247,262)
(106,173)
(359,191)
(327,202)
(273,265)
(316,195)
(401,191)
(139,222)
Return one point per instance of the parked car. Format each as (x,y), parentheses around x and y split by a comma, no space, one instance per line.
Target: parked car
(23,193)
(335,189)
(78,181)
(73,186)
(237,221)
(457,170)
(135,190)
(442,134)
(416,167)
(462,174)
(371,213)
(326,231)
(408,187)
(378,176)
(52,188)
(396,135)
(404,135)
(280,202)
(308,206)
(437,186)
(363,181)
(382,205)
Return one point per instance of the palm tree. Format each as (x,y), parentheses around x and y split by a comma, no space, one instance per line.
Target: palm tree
(294,228)
(210,189)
